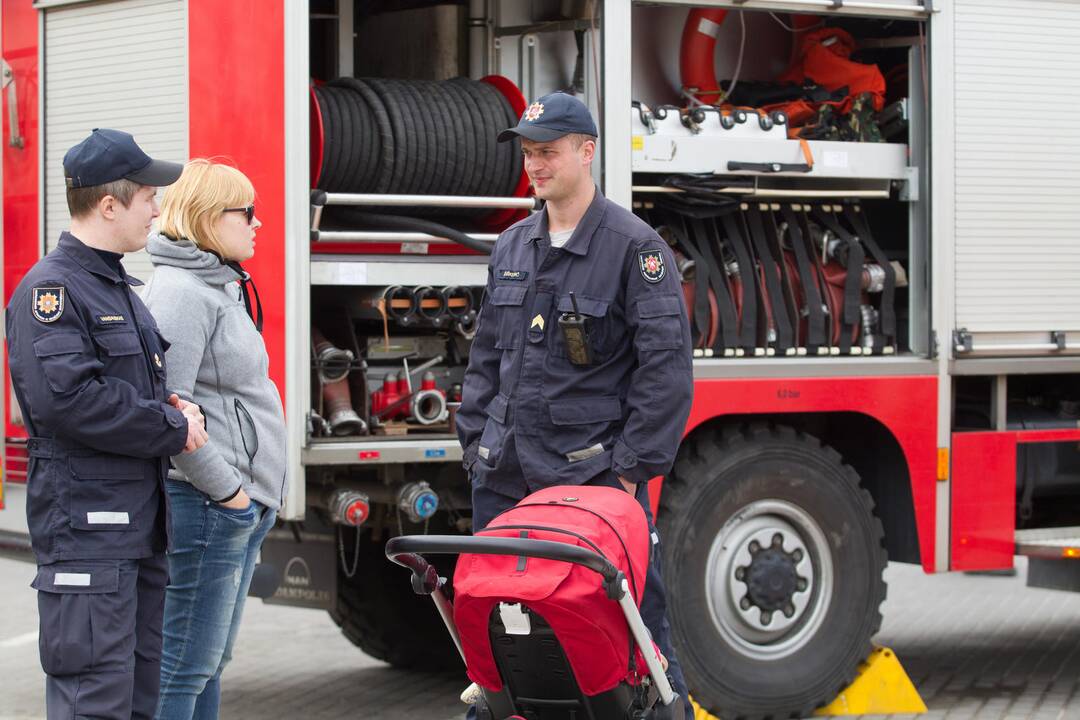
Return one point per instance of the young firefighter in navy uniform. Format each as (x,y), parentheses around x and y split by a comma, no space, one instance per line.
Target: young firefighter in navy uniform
(580,371)
(88,367)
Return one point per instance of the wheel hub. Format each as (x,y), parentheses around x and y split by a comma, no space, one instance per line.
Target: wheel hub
(769,579)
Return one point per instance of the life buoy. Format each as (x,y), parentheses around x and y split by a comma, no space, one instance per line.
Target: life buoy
(697,65)
(697,51)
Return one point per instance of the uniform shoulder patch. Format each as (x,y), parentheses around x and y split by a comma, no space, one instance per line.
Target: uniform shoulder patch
(47,303)
(652,267)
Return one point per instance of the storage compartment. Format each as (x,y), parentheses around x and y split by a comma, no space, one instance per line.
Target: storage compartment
(791,197)
(785,172)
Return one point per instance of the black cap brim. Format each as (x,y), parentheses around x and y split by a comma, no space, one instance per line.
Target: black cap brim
(158,173)
(532,132)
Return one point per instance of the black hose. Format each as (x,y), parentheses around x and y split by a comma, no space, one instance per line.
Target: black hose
(411,224)
(416,137)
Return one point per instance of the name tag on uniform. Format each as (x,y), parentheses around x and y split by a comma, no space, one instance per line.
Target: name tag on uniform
(72,579)
(107,518)
(585,453)
(512,274)
(110,319)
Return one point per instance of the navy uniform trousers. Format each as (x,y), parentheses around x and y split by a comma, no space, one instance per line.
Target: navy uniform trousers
(487,504)
(100,637)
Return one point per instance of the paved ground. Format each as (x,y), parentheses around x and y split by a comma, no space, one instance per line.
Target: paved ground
(980,647)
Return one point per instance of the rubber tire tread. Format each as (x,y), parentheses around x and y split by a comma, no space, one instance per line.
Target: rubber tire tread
(382,616)
(698,470)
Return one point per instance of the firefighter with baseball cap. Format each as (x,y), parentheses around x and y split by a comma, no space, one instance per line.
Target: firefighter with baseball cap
(580,371)
(88,367)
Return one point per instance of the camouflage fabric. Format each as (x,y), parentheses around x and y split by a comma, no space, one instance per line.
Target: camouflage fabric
(858,125)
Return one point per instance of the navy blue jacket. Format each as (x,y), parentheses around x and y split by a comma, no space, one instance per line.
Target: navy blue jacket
(530,418)
(88,366)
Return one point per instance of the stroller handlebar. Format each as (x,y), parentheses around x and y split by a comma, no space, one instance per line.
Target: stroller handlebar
(405,550)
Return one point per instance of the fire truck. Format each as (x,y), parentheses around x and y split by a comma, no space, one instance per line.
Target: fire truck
(873,207)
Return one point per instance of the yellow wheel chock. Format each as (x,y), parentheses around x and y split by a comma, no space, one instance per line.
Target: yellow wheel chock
(881,688)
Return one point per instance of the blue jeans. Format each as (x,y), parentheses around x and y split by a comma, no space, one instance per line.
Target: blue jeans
(210,568)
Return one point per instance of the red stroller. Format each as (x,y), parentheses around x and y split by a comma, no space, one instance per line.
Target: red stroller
(545,610)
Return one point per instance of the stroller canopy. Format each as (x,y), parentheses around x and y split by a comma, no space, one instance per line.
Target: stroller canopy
(590,626)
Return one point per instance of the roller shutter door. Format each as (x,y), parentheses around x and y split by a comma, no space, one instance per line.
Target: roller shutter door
(119,64)
(1017,234)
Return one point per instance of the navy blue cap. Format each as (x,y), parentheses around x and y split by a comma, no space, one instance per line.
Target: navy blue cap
(551,117)
(108,155)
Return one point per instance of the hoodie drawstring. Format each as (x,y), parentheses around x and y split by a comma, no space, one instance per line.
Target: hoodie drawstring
(245,281)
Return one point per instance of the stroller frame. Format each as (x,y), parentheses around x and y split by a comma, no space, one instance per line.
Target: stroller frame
(407,551)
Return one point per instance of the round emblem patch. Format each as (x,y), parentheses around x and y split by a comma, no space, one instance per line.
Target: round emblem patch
(652,267)
(535,111)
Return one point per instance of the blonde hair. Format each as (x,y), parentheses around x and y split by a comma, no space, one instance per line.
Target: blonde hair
(192,204)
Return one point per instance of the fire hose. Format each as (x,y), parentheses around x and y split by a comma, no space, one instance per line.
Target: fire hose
(415,137)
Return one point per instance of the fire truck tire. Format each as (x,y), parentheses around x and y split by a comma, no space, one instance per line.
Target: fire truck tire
(379,613)
(773,565)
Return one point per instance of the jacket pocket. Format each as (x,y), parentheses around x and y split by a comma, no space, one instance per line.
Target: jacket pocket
(64,359)
(109,493)
(121,352)
(582,429)
(84,623)
(493,438)
(248,434)
(508,299)
(660,326)
(598,326)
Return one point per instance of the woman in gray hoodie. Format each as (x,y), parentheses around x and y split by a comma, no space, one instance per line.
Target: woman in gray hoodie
(225,496)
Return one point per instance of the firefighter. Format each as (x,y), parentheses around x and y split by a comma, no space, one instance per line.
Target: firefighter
(580,371)
(88,368)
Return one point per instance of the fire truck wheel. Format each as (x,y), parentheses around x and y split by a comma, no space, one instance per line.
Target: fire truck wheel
(773,565)
(378,612)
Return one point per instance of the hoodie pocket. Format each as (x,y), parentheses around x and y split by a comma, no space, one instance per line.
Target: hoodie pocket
(248,434)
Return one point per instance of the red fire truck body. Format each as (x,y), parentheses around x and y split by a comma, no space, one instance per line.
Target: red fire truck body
(933,450)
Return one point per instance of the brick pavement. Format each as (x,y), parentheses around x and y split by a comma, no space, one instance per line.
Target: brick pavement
(980,647)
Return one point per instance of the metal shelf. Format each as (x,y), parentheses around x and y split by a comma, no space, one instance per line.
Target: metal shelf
(356,270)
(378,450)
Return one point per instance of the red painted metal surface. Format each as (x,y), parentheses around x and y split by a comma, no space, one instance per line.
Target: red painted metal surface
(983,524)
(236,110)
(22,239)
(906,406)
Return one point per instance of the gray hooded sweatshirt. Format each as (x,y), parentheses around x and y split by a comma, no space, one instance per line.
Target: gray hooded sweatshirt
(217,359)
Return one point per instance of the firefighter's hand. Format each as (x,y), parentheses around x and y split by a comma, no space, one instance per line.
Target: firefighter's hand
(190,409)
(196,434)
(630,487)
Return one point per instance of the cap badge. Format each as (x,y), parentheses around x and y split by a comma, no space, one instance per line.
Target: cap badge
(652,265)
(48,303)
(535,111)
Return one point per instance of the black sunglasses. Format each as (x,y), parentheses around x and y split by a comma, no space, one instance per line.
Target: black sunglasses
(249,212)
